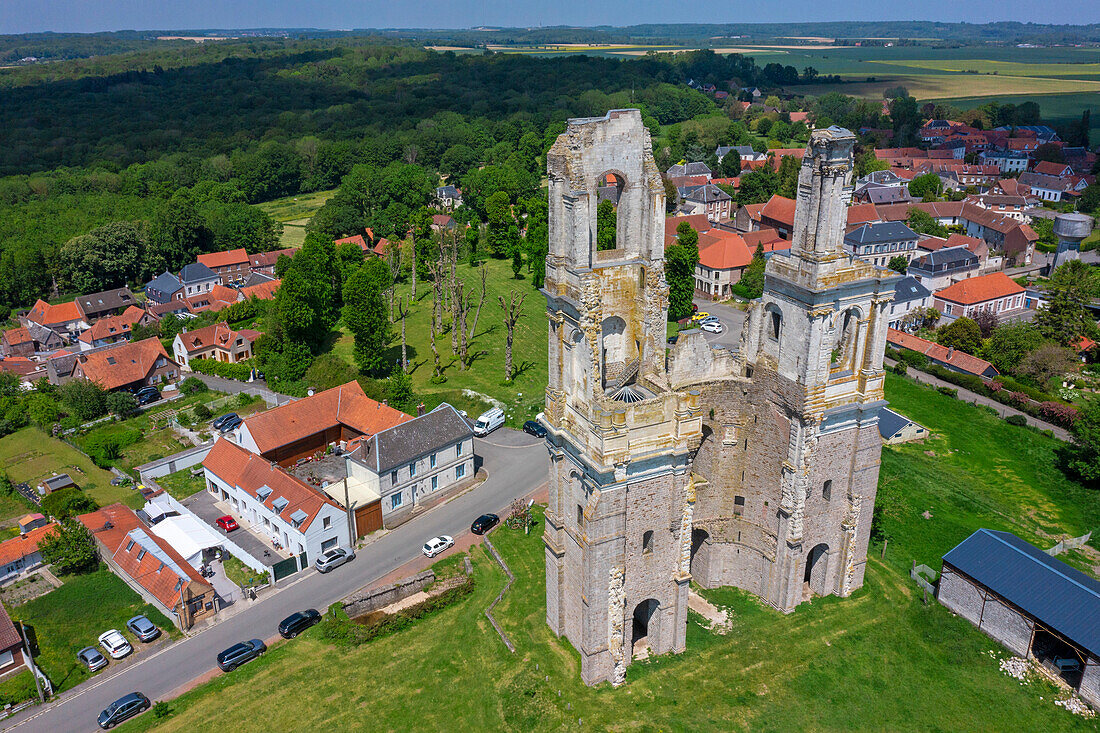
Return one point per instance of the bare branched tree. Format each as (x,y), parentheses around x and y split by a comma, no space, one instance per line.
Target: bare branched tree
(480,302)
(403,312)
(513,311)
(393,260)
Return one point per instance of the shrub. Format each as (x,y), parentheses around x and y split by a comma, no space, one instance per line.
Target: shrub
(67,502)
(1059,414)
(122,404)
(201,412)
(1019,398)
(948,391)
(103,448)
(240,371)
(1018,420)
(192,385)
(913,358)
(901,368)
(161,710)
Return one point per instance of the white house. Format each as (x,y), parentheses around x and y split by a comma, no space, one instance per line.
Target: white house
(264,497)
(20,554)
(909,296)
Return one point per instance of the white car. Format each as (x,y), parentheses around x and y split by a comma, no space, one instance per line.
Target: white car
(436,545)
(712,327)
(114,644)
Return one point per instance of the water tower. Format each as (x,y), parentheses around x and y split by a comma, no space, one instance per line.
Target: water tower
(1070,229)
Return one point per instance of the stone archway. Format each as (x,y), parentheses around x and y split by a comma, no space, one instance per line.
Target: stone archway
(645,626)
(817,567)
(700,556)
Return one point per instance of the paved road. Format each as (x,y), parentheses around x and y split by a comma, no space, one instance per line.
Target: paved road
(733,320)
(516,463)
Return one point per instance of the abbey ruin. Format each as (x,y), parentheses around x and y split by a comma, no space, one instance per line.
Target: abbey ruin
(755,467)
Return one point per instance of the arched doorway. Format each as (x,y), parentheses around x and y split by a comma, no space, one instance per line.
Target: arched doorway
(817,565)
(700,556)
(645,627)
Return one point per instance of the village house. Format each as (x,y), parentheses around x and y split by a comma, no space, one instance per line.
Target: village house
(11,646)
(879,243)
(64,318)
(909,296)
(309,426)
(128,366)
(1011,206)
(688,169)
(300,517)
(216,341)
(107,303)
(710,201)
(415,461)
(1007,161)
(948,358)
(20,554)
(232,266)
(150,565)
(936,270)
(198,279)
(112,329)
(1053,189)
(995,293)
(895,428)
(265,261)
(778,213)
(1019,245)
(449,197)
(988,225)
(164,288)
(264,289)
(723,257)
(16,342)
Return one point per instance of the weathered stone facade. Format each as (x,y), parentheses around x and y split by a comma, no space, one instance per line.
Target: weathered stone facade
(755,468)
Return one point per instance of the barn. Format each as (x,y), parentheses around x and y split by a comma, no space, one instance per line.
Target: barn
(1032,603)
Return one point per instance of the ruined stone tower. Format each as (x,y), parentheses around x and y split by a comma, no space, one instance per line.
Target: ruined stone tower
(756,467)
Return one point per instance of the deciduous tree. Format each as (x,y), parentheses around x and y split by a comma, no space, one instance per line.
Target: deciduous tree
(69,548)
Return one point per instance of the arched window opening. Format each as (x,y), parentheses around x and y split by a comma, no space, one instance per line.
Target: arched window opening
(827,490)
(647,542)
(609,191)
(777,324)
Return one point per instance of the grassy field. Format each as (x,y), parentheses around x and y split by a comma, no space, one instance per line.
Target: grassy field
(953,86)
(181,484)
(526,394)
(301,206)
(30,455)
(73,616)
(879,660)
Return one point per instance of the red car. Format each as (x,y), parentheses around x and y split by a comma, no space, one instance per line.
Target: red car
(228,523)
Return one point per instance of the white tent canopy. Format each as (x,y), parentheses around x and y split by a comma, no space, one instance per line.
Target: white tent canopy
(187,536)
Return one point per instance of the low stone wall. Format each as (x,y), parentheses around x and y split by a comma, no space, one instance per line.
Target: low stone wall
(177,462)
(362,602)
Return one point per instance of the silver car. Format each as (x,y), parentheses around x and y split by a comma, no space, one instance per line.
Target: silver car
(334,558)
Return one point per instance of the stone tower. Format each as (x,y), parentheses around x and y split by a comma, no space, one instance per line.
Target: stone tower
(619,438)
(753,467)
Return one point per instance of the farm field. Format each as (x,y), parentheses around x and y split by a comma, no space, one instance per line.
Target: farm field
(525,395)
(30,455)
(294,213)
(952,86)
(827,666)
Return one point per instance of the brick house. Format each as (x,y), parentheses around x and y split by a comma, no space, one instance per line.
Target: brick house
(995,293)
(112,329)
(16,342)
(1019,244)
(11,646)
(232,266)
(129,366)
(778,213)
(150,566)
(709,200)
(216,341)
(265,261)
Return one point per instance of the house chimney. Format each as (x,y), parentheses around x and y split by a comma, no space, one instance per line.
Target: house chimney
(950,352)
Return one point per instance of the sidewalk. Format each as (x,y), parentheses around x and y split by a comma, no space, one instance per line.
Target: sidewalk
(967,396)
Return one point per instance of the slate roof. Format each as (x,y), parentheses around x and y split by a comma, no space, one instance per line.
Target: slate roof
(909,289)
(948,258)
(449,192)
(889,231)
(1061,597)
(165,282)
(197,272)
(402,443)
(107,300)
(707,194)
(891,423)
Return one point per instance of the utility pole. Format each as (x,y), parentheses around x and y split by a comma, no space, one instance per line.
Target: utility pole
(30,662)
(351,516)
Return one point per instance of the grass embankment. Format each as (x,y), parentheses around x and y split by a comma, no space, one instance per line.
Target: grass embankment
(73,616)
(525,396)
(29,455)
(880,659)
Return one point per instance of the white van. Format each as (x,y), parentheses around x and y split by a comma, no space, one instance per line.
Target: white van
(489,421)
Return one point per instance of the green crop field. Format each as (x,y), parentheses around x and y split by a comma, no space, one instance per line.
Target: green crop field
(880,660)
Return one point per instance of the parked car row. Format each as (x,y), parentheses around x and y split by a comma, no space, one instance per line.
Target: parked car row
(115,644)
(227,422)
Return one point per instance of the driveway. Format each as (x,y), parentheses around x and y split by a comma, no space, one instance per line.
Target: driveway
(517,465)
(248,537)
(733,321)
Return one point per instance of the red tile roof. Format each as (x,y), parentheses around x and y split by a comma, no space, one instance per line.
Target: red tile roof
(953,357)
(974,290)
(117,367)
(241,468)
(224,259)
(698,222)
(753,211)
(1050,168)
(722,250)
(357,240)
(20,335)
(767,238)
(20,365)
(9,637)
(779,208)
(45,314)
(861,214)
(263,291)
(973,244)
(218,335)
(114,526)
(345,405)
(268,259)
(19,547)
(109,326)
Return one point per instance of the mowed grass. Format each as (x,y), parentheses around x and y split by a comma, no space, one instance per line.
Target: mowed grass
(182,484)
(485,375)
(879,660)
(73,616)
(300,206)
(30,455)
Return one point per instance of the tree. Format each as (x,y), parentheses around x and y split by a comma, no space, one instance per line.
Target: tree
(986,320)
(962,334)
(513,311)
(86,400)
(1090,199)
(122,404)
(752,279)
(499,211)
(730,166)
(365,314)
(898,263)
(68,502)
(177,234)
(104,258)
(680,261)
(1010,343)
(1083,458)
(926,187)
(1048,362)
(1049,152)
(905,117)
(758,186)
(69,548)
(789,167)
(1066,319)
(606,223)
(922,222)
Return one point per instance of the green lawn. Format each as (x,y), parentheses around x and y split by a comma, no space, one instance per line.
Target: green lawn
(182,484)
(300,206)
(525,396)
(880,660)
(73,616)
(30,455)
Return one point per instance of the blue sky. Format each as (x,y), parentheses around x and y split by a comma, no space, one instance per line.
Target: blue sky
(20,16)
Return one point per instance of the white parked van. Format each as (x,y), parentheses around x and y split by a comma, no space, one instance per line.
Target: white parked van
(489,421)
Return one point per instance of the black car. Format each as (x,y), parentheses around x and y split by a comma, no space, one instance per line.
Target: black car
(240,653)
(145,395)
(484,523)
(231,424)
(222,420)
(532,427)
(296,623)
(122,709)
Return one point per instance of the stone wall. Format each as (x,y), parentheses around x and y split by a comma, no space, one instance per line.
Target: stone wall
(365,601)
(985,610)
